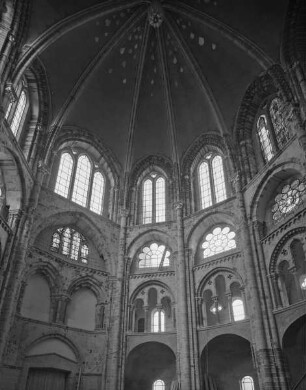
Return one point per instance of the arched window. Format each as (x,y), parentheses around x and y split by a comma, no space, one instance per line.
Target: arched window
(158,321)
(211,180)
(247,383)
(154,256)
(81,181)
(238,309)
(153,199)
(158,385)
(64,175)
(288,199)
(70,243)
(272,129)
(264,138)
(221,239)
(18,113)
(77,179)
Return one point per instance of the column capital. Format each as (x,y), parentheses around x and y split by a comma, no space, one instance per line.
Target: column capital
(178,205)
(43,168)
(124,212)
(10,92)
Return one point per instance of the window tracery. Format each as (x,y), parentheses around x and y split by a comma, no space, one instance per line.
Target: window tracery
(79,180)
(221,239)
(158,321)
(153,199)
(288,199)
(70,243)
(211,180)
(154,256)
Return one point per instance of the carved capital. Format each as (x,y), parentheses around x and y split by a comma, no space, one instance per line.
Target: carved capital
(178,205)
(124,212)
(10,92)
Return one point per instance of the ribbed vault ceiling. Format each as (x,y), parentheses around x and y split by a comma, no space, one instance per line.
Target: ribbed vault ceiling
(150,77)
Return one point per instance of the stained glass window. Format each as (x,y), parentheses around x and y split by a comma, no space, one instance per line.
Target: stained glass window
(64,175)
(159,385)
(281,130)
(247,383)
(160,191)
(219,182)
(81,181)
(18,114)
(97,192)
(219,240)
(154,256)
(70,243)
(238,309)
(290,197)
(264,137)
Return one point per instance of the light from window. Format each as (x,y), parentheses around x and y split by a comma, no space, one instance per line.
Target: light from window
(264,137)
(159,385)
(147,201)
(219,240)
(205,188)
(160,193)
(18,114)
(81,181)
(8,109)
(289,198)
(96,201)
(281,131)
(158,321)
(219,182)
(238,309)
(247,383)
(154,256)
(64,175)
(70,243)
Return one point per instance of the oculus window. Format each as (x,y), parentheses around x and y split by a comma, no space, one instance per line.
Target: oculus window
(211,180)
(288,199)
(78,179)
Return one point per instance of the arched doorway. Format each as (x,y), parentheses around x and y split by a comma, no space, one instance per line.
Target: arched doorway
(148,364)
(294,346)
(225,361)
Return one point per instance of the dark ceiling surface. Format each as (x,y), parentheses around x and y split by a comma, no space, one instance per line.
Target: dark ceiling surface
(152,86)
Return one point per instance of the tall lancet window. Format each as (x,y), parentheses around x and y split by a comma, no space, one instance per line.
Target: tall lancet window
(265,138)
(81,181)
(64,175)
(211,180)
(19,112)
(153,199)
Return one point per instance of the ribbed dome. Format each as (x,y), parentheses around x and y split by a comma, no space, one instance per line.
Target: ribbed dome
(150,77)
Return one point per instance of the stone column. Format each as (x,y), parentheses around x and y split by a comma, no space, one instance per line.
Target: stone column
(100,313)
(61,308)
(276,294)
(183,345)
(114,354)
(146,327)
(230,306)
(16,261)
(199,303)
(263,354)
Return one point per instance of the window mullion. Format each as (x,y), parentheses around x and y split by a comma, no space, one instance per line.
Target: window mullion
(271,132)
(154,200)
(212,183)
(74,168)
(90,186)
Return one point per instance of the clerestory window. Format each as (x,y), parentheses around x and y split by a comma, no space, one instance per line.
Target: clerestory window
(238,309)
(153,199)
(247,383)
(19,113)
(211,180)
(272,130)
(154,256)
(220,239)
(158,385)
(78,179)
(70,243)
